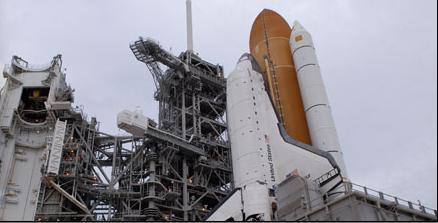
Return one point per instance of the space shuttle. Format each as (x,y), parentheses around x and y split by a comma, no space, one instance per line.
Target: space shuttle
(279,122)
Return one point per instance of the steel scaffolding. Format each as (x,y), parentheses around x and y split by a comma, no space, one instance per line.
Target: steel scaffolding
(179,170)
(185,184)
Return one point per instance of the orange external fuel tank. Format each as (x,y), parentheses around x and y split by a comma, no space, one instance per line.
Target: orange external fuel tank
(269,45)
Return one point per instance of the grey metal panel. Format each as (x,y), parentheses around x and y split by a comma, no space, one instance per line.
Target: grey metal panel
(23,141)
(20,195)
(296,196)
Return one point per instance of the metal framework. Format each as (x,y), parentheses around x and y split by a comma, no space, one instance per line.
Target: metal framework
(184,184)
(179,170)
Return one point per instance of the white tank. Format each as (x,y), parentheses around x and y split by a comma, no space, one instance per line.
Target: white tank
(318,113)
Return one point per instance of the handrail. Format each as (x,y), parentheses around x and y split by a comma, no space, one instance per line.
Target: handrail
(391,198)
(398,202)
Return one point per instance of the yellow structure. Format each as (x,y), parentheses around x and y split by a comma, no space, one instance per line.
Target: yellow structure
(269,45)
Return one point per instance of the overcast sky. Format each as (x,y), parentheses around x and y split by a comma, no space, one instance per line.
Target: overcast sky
(378,60)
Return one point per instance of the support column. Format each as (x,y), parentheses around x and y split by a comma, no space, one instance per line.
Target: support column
(151,192)
(185,191)
(194,115)
(183,111)
(113,172)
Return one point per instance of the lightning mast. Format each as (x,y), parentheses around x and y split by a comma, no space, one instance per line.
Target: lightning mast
(189,26)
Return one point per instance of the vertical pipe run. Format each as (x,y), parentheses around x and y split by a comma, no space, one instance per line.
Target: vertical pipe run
(113,172)
(183,112)
(194,116)
(275,98)
(185,191)
(151,203)
(269,38)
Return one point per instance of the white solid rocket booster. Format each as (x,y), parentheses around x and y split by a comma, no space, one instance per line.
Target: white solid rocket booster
(316,106)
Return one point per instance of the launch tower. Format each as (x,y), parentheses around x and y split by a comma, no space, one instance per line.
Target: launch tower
(192,104)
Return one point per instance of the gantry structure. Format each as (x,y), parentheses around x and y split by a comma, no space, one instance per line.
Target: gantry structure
(56,164)
(192,109)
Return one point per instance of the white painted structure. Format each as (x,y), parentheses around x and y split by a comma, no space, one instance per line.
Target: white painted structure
(132,122)
(261,156)
(316,105)
(56,148)
(24,144)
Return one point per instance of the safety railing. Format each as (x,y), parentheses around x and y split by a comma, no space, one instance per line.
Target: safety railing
(396,200)
(25,66)
(349,187)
